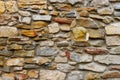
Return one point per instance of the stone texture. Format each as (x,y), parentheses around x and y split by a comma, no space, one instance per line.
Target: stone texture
(115,50)
(105,11)
(112,29)
(93,76)
(15,62)
(59,59)
(80,34)
(41,17)
(33,74)
(47,43)
(8,76)
(75,75)
(2,7)
(111,74)
(107,59)
(93,67)
(51,75)
(46,51)
(36,4)
(112,40)
(53,28)
(8,31)
(65,67)
(95,51)
(29,33)
(87,22)
(26,20)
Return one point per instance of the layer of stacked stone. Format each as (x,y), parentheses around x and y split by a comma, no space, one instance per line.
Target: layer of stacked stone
(59,39)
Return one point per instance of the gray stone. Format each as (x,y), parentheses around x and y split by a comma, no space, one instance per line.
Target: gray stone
(46,51)
(61,1)
(96,43)
(75,75)
(115,50)
(63,44)
(92,67)
(24,13)
(52,75)
(74,1)
(81,57)
(113,40)
(42,17)
(107,59)
(65,67)
(31,66)
(26,20)
(72,13)
(53,28)
(117,6)
(59,59)
(117,13)
(47,43)
(8,31)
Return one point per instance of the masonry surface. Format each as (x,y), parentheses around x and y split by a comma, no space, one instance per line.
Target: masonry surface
(59,39)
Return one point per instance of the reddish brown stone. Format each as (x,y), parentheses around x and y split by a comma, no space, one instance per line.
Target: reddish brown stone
(114,67)
(63,20)
(112,74)
(95,51)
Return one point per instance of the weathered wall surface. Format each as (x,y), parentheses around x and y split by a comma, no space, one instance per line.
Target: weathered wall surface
(59,40)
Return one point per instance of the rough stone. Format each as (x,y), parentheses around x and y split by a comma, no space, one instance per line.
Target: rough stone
(96,33)
(93,76)
(92,67)
(31,66)
(111,74)
(29,33)
(65,67)
(51,75)
(53,28)
(37,17)
(36,4)
(11,6)
(57,1)
(80,34)
(24,13)
(8,76)
(96,43)
(1,61)
(23,53)
(87,22)
(105,11)
(60,59)
(117,13)
(117,6)
(96,51)
(113,29)
(8,31)
(107,59)
(14,47)
(65,27)
(74,1)
(46,51)
(114,67)
(47,43)
(26,20)
(80,57)
(63,44)
(21,76)
(2,7)
(15,62)
(33,73)
(112,40)
(4,19)
(75,75)
(84,13)
(115,50)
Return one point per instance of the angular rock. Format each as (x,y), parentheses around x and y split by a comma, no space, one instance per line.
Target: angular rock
(80,57)
(8,76)
(92,67)
(98,3)
(75,75)
(113,29)
(63,20)
(38,60)
(60,59)
(11,6)
(87,22)
(108,19)
(96,33)
(2,7)
(93,76)
(96,43)
(37,17)
(26,20)
(8,31)
(15,62)
(33,74)
(24,13)
(111,74)
(80,34)
(46,51)
(4,19)
(107,59)
(51,75)
(53,28)
(105,11)
(112,40)
(29,33)
(96,51)
(36,4)
(23,53)
(65,67)
(63,44)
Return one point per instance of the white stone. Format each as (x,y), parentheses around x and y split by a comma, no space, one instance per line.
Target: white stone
(53,28)
(42,17)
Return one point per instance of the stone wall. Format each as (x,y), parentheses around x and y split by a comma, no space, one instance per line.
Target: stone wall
(59,40)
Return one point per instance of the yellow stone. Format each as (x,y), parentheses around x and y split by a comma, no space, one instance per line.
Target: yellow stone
(80,34)
(2,7)
(39,24)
